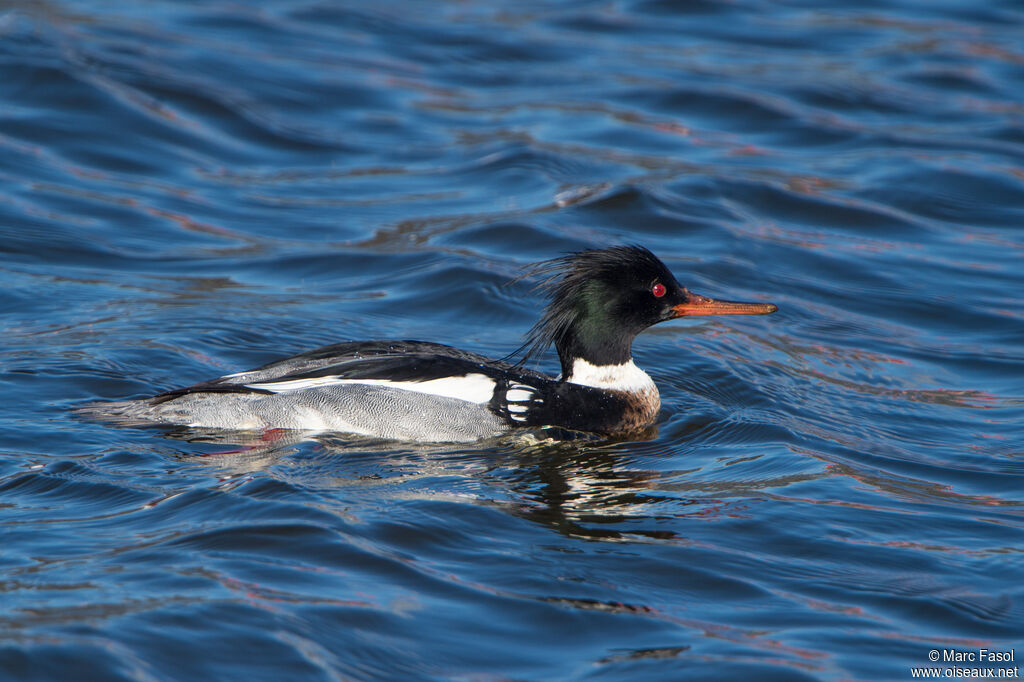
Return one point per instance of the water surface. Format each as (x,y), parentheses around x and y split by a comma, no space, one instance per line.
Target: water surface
(192,189)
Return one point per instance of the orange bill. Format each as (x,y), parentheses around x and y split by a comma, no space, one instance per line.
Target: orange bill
(701,305)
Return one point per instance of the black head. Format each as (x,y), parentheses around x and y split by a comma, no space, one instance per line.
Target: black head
(599,300)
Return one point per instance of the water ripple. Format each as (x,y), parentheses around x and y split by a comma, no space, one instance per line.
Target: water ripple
(189,190)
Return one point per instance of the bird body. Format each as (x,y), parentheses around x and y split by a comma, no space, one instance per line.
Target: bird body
(599,300)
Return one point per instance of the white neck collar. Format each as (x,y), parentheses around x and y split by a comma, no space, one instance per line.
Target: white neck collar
(625,377)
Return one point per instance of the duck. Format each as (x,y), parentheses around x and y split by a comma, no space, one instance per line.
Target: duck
(598,301)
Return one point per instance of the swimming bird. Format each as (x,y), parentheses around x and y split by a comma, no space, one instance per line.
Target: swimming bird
(598,301)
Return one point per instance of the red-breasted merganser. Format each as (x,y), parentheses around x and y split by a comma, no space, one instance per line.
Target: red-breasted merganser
(598,301)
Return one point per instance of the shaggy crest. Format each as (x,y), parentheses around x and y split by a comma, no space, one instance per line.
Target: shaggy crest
(580,281)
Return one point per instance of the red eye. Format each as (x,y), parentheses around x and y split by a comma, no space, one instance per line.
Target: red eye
(658,290)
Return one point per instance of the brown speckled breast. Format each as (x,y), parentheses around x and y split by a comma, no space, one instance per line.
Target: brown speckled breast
(641,411)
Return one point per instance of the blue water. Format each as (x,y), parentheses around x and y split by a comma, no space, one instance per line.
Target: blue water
(189,189)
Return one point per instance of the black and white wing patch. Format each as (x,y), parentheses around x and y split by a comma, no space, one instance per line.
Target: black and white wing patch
(473,387)
(520,400)
(409,366)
